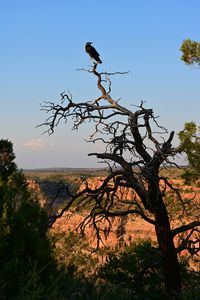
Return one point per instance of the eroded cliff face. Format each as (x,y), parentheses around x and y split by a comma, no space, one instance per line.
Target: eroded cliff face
(124,229)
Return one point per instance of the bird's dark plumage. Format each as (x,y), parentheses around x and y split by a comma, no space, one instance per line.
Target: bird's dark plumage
(92,52)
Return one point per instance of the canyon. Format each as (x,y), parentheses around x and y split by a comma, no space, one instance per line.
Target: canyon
(124,229)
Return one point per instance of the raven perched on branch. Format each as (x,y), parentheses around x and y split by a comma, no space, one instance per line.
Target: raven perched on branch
(92,52)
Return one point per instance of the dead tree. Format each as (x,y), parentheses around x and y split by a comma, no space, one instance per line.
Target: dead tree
(135,149)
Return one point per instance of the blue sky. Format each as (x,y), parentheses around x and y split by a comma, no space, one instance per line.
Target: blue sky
(42,45)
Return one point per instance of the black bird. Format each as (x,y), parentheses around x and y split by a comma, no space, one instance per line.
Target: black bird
(92,52)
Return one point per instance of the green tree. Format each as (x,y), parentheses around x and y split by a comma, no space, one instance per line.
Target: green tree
(136,267)
(190,144)
(7,156)
(190,52)
(23,226)
(139,267)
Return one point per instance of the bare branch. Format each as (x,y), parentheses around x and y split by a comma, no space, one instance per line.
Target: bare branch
(135,148)
(184,228)
(128,212)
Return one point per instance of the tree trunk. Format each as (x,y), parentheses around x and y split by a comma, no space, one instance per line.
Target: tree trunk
(166,243)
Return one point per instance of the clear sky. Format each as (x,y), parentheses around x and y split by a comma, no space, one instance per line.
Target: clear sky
(42,45)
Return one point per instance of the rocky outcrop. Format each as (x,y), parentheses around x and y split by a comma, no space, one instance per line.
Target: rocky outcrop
(124,229)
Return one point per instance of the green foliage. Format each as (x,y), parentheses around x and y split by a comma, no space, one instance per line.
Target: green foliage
(138,267)
(137,273)
(23,227)
(7,166)
(28,268)
(190,144)
(73,253)
(190,280)
(191,52)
